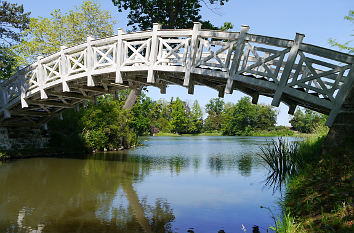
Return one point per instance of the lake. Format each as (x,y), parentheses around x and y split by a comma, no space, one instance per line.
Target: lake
(170,184)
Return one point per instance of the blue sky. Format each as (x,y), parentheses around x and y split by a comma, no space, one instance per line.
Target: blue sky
(319,20)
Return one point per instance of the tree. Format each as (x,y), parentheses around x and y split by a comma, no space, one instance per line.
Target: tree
(196,119)
(169,13)
(308,122)
(46,35)
(214,109)
(179,120)
(13,20)
(245,117)
(347,45)
(107,126)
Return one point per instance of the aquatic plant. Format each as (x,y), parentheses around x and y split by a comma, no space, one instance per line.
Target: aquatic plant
(282,159)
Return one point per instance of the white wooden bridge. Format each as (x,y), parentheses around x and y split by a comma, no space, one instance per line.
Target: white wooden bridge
(286,70)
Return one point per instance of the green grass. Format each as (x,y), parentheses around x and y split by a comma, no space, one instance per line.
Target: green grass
(320,195)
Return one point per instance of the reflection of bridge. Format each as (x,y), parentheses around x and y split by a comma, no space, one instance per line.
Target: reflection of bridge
(286,70)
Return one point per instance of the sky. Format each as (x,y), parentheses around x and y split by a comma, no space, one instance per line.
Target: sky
(319,20)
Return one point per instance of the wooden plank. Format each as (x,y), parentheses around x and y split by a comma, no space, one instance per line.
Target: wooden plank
(327,53)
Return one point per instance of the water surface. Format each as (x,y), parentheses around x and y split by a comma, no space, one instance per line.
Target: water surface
(170,184)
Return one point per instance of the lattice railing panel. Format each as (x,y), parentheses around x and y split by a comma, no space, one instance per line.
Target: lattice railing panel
(321,78)
(264,62)
(136,52)
(172,51)
(214,54)
(51,70)
(104,56)
(33,79)
(77,62)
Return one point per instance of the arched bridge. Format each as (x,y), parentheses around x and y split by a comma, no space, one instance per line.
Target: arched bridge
(286,70)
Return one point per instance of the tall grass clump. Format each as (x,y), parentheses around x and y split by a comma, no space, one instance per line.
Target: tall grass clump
(282,159)
(287,225)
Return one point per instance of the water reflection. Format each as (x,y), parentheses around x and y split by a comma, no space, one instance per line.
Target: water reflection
(66,195)
(168,185)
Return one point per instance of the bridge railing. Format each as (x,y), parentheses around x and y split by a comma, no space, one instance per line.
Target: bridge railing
(314,75)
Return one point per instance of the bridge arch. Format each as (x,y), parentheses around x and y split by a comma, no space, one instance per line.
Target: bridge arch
(286,70)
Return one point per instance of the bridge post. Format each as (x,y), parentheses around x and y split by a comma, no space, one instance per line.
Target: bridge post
(41,77)
(89,60)
(193,50)
(153,52)
(63,69)
(119,56)
(287,69)
(237,57)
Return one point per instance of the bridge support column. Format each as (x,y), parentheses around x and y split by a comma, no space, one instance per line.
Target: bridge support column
(132,97)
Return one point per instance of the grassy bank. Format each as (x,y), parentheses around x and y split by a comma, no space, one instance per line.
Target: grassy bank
(277,132)
(319,197)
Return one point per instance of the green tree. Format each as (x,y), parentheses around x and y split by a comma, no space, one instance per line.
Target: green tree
(106,125)
(13,20)
(214,110)
(308,121)
(46,35)
(196,119)
(142,115)
(179,119)
(245,117)
(348,46)
(169,13)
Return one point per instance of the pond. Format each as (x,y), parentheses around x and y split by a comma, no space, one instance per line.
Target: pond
(170,184)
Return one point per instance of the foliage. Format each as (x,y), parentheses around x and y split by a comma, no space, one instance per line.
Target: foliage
(65,134)
(196,119)
(347,46)
(46,35)
(13,20)
(143,115)
(8,62)
(214,109)
(171,14)
(106,125)
(179,118)
(244,117)
(308,122)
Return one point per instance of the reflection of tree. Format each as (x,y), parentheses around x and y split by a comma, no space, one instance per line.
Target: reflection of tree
(244,164)
(66,195)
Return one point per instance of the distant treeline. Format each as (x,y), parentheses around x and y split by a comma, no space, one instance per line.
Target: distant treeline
(106,125)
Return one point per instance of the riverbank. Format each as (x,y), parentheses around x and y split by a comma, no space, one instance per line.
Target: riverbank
(320,197)
(277,132)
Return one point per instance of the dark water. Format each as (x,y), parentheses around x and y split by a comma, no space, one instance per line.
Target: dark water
(171,184)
